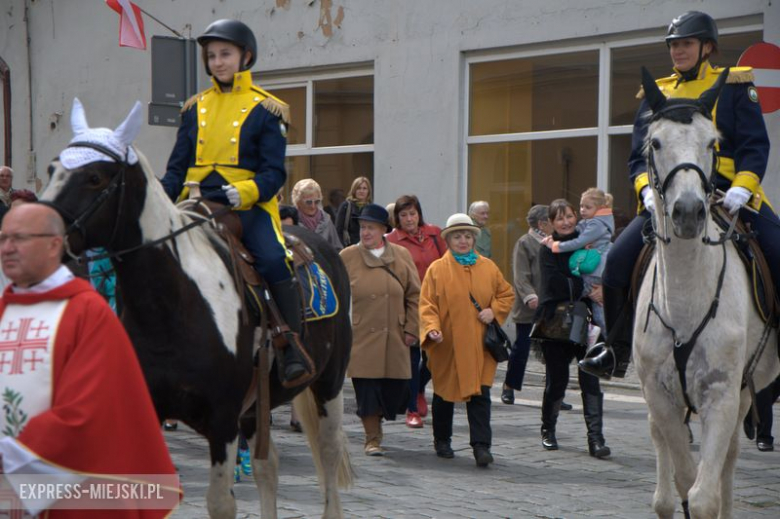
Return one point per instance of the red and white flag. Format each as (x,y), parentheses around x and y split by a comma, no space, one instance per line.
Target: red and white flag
(131,25)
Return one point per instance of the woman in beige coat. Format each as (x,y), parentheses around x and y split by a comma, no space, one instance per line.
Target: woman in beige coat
(385,292)
(461,367)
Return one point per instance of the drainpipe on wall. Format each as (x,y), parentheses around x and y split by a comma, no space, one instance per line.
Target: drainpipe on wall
(32,177)
(5,79)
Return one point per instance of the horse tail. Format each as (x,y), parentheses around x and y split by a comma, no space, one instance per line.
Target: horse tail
(307,409)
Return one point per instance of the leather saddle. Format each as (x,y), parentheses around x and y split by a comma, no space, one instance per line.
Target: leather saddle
(248,281)
(764,296)
(230,229)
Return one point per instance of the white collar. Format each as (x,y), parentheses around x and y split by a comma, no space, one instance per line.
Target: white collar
(58,278)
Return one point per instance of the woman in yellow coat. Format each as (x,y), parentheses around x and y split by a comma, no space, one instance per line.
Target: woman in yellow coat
(453,331)
(385,291)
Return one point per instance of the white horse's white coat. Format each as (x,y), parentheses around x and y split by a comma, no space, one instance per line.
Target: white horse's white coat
(686,284)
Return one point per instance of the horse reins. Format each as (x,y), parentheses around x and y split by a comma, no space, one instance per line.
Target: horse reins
(118,182)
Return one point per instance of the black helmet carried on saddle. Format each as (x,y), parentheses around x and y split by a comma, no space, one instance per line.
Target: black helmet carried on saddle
(231,31)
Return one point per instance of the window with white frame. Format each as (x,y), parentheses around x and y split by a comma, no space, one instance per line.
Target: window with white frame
(331,133)
(547,124)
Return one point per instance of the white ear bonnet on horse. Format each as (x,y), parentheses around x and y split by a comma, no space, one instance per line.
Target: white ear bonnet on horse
(119,141)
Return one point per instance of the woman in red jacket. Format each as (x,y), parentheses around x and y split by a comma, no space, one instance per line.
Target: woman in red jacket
(425,244)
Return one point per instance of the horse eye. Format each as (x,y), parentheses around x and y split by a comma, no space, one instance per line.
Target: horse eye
(711,145)
(94,179)
(50,170)
(656,144)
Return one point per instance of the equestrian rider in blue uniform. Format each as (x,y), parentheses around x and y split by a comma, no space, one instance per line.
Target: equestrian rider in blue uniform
(232,141)
(742,155)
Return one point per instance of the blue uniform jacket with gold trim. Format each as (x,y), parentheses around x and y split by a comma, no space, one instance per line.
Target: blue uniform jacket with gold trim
(230,138)
(743,149)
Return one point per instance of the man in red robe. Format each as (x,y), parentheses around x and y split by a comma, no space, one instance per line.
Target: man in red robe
(75,402)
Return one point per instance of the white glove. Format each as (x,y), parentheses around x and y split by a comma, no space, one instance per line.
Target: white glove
(233,196)
(648,199)
(735,198)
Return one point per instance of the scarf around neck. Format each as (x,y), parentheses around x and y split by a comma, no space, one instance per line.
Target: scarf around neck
(311,222)
(469,258)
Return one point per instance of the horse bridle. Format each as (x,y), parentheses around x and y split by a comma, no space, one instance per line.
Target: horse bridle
(118,182)
(708,184)
(77,223)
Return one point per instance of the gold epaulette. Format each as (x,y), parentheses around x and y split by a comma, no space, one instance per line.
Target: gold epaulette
(189,103)
(274,105)
(659,82)
(736,75)
(741,75)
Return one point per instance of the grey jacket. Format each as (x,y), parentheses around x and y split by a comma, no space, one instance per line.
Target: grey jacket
(527,275)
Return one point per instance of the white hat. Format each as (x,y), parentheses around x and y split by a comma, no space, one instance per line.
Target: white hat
(459,222)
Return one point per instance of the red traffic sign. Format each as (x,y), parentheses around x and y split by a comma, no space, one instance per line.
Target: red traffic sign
(765,60)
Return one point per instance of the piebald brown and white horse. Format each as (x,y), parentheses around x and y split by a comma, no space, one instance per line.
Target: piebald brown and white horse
(695,303)
(183,312)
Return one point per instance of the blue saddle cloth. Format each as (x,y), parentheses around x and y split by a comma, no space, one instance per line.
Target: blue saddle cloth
(319,298)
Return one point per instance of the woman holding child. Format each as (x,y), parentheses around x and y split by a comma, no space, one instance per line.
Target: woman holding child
(559,284)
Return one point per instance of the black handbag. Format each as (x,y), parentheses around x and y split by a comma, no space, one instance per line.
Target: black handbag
(496,341)
(569,323)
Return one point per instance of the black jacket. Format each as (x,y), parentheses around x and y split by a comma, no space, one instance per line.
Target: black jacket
(557,278)
(352,227)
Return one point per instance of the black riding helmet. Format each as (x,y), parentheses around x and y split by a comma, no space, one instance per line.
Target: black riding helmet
(693,24)
(233,31)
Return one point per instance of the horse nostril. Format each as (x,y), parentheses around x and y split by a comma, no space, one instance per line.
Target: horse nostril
(679,211)
(701,213)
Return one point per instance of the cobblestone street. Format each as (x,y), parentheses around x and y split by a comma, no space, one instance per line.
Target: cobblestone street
(525,480)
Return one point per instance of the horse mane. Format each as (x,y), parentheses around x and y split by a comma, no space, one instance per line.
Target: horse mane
(183,215)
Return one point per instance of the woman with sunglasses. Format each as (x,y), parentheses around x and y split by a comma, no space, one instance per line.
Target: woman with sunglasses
(307,197)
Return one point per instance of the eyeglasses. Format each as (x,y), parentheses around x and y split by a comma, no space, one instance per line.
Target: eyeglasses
(18,238)
(312,202)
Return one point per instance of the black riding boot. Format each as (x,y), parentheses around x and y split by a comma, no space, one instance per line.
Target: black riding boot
(611,358)
(288,299)
(593,411)
(550,412)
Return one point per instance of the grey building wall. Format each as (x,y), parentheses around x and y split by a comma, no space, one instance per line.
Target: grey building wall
(417,49)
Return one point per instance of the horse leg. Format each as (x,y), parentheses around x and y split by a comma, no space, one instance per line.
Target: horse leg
(668,422)
(727,476)
(663,498)
(333,455)
(266,474)
(220,500)
(328,446)
(718,431)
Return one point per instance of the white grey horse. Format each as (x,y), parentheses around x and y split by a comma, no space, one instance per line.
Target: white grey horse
(678,306)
